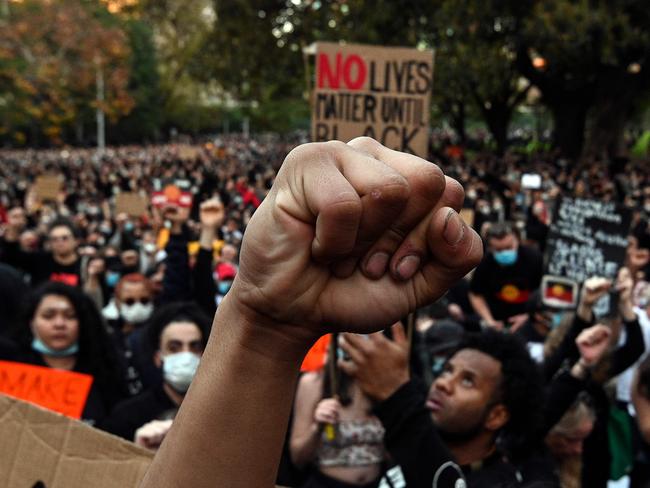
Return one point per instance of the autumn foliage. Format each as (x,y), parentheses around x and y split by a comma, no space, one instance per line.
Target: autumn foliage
(51,53)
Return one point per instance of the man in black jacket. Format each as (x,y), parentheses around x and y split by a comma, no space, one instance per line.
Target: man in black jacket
(480,416)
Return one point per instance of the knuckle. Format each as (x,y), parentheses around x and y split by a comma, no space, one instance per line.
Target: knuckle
(365,143)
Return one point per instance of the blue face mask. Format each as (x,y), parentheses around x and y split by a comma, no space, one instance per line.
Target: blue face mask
(556,320)
(224,287)
(506,258)
(40,347)
(112,278)
(129,226)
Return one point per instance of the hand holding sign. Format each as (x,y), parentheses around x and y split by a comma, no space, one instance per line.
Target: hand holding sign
(152,434)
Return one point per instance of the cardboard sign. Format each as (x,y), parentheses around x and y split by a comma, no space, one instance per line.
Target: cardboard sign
(171,195)
(587,238)
(467,214)
(132,204)
(380,92)
(317,355)
(47,187)
(44,449)
(188,153)
(61,391)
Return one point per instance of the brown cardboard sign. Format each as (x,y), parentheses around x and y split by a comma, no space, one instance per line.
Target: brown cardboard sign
(39,446)
(132,204)
(380,92)
(48,187)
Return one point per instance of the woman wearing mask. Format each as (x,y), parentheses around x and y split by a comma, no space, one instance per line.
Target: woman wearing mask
(61,328)
(335,434)
(176,334)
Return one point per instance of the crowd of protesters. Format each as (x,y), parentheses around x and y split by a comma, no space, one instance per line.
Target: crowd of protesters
(479,387)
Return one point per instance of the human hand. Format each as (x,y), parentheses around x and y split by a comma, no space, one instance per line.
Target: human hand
(517,321)
(380,366)
(347,225)
(592,344)
(495,324)
(152,434)
(327,411)
(121,220)
(593,289)
(211,213)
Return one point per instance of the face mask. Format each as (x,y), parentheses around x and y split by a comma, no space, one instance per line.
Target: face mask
(224,287)
(40,347)
(179,370)
(506,258)
(112,278)
(471,195)
(556,320)
(149,247)
(128,227)
(136,313)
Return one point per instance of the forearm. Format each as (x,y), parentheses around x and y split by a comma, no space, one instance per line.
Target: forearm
(303,447)
(481,307)
(207,238)
(231,425)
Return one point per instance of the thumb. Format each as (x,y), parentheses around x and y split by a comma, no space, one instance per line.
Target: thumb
(399,335)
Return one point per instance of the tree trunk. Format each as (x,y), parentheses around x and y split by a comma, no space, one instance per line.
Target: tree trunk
(497,119)
(569,120)
(458,122)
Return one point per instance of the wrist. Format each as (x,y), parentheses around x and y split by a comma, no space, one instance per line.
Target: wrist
(257,332)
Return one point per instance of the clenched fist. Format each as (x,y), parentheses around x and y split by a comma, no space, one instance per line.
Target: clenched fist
(353,237)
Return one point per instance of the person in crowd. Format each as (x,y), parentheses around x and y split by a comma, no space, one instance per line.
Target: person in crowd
(543,319)
(334,432)
(566,439)
(60,328)
(134,302)
(177,335)
(505,280)
(62,263)
(597,455)
(640,394)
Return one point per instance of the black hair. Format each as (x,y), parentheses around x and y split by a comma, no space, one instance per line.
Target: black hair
(63,222)
(499,230)
(96,355)
(176,312)
(520,391)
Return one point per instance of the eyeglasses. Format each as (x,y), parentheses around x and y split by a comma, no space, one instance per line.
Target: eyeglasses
(132,301)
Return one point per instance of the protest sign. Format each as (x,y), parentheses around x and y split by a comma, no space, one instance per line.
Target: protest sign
(47,187)
(587,238)
(467,214)
(132,204)
(380,92)
(171,195)
(317,355)
(42,449)
(61,391)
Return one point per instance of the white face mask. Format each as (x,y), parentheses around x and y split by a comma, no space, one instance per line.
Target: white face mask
(136,313)
(179,370)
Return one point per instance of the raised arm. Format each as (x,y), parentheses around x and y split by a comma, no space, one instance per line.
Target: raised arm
(351,237)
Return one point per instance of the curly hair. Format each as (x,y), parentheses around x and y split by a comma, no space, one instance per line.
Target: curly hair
(96,355)
(520,390)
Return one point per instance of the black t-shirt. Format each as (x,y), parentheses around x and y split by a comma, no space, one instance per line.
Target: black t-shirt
(129,415)
(41,266)
(507,289)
